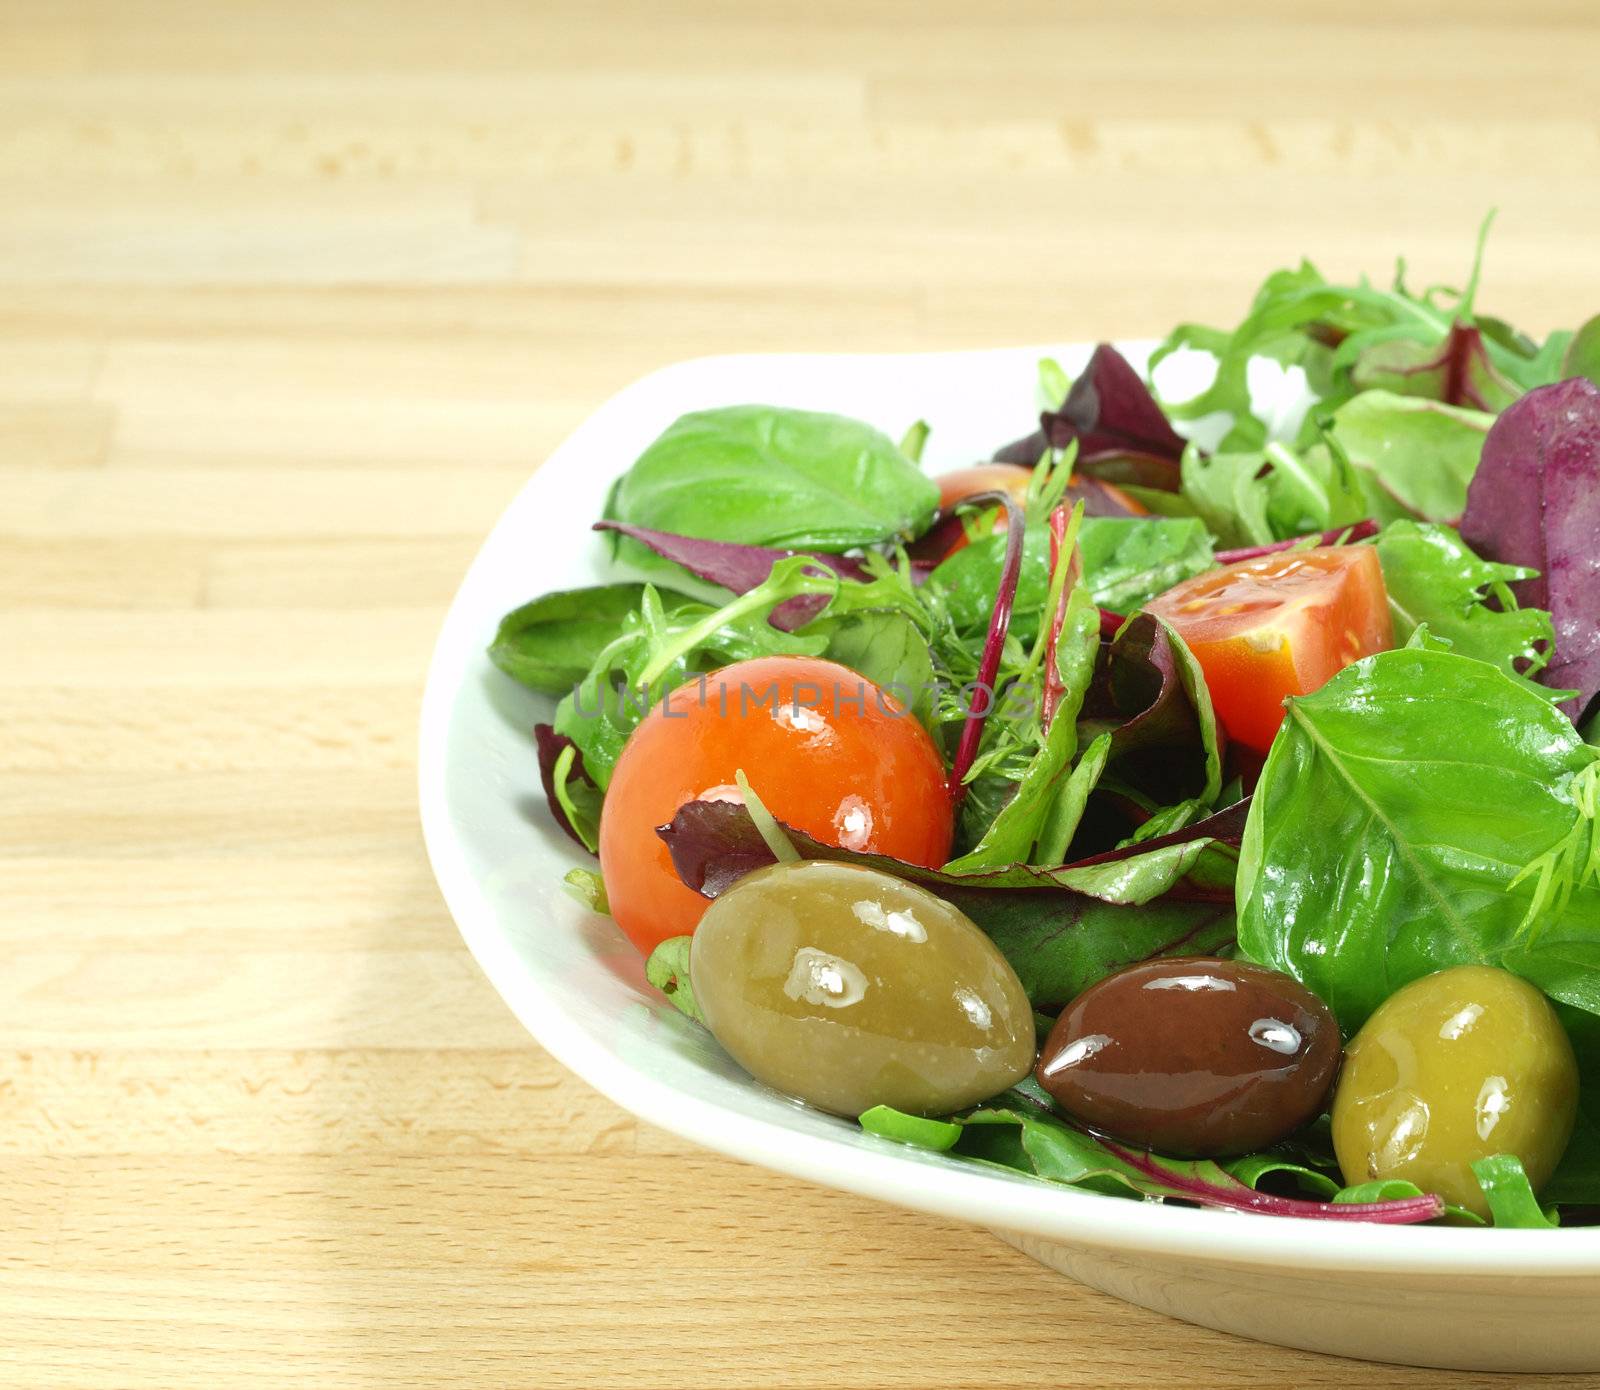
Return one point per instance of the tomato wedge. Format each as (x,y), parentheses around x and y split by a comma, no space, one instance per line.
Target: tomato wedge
(1280,625)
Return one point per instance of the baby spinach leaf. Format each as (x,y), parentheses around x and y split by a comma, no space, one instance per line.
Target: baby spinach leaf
(1391,828)
(1434,580)
(1512,1205)
(668,970)
(1415,457)
(770,476)
(550,644)
(1128,562)
(1535,502)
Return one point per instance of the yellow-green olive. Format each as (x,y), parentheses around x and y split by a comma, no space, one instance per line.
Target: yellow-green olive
(1452,1068)
(850,988)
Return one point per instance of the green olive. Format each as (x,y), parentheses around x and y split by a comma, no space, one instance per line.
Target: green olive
(1452,1068)
(850,988)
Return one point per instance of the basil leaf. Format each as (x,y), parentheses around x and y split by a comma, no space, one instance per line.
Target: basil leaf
(1391,828)
(1126,563)
(1434,580)
(770,476)
(550,644)
(668,970)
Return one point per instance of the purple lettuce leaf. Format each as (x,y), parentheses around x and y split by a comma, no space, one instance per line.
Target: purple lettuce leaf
(1535,501)
(740,567)
(1157,739)
(550,745)
(1058,939)
(1121,432)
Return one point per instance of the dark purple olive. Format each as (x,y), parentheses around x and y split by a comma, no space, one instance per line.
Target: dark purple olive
(1193,1056)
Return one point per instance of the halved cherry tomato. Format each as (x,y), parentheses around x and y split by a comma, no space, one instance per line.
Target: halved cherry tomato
(1283,624)
(1104,499)
(825,749)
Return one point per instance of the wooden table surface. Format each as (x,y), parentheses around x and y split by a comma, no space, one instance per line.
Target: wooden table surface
(293,296)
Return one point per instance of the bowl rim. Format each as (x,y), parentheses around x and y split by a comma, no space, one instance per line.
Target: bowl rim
(946,1188)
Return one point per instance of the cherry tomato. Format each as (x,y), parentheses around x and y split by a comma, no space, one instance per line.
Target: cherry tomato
(825,749)
(1283,624)
(1102,499)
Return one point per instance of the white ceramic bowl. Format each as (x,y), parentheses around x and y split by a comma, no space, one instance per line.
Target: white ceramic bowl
(1487,1300)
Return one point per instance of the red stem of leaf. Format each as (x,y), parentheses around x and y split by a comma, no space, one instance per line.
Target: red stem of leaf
(1403,1211)
(983,694)
(1054,687)
(1346,535)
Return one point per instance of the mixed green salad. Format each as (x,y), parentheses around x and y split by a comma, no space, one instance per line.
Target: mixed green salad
(1213,824)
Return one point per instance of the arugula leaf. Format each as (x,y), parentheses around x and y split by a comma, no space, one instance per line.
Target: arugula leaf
(1349,338)
(1128,562)
(1016,830)
(1395,816)
(1434,580)
(550,644)
(887,648)
(656,651)
(1273,494)
(1015,1131)
(1414,457)
(770,476)
(1535,502)
(1512,1205)
(668,970)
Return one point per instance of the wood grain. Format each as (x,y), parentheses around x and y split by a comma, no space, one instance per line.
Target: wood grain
(292,299)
